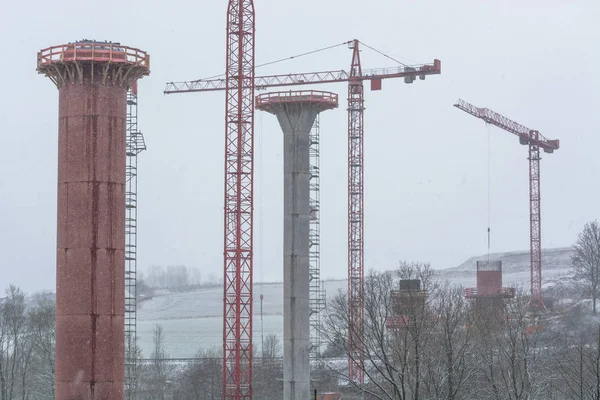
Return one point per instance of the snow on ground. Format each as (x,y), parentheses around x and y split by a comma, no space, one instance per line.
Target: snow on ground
(519,260)
(193,320)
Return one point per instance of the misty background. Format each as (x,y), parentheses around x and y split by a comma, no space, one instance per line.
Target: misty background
(426,163)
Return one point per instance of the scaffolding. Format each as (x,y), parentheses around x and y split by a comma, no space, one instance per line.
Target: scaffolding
(134,145)
(317,288)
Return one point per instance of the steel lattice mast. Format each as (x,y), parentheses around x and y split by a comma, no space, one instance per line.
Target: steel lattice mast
(356,229)
(135,144)
(535,226)
(238,208)
(535,141)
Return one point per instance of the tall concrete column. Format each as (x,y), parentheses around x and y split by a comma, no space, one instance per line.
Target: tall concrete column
(296,112)
(92,79)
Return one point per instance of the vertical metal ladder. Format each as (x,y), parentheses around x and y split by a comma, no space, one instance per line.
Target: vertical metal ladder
(134,145)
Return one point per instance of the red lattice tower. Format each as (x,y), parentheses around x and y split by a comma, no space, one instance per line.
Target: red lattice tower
(356,229)
(535,226)
(239,171)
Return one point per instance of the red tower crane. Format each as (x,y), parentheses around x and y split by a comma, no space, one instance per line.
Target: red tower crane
(355,78)
(238,208)
(535,141)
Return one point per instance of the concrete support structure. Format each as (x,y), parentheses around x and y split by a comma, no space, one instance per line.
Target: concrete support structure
(92,78)
(408,304)
(489,295)
(296,112)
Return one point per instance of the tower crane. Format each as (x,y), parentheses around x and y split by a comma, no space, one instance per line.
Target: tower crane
(355,78)
(535,141)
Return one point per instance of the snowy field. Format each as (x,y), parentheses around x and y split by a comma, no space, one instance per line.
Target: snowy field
(192,321)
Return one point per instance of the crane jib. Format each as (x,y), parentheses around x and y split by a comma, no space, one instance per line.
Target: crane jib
(323,77)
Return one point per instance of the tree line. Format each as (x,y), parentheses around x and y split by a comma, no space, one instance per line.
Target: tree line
(175,277)
(435,345)
(27,339)
(441,346)
(444,346)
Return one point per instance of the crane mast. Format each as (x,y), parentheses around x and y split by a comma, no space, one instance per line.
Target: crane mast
(238,207)
(535,227)
(356,229)
(535,141)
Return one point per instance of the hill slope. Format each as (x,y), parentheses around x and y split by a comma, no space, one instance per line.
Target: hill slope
(193,320)
(519,260)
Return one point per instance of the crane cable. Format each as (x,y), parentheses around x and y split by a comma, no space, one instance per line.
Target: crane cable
(283,59)
(304,54)
(313,52)
(261,224)
(489,194)
(386,55)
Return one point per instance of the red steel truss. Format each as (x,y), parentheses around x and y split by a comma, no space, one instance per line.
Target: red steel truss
(356,228)
(307,78)
(535,141)
(239,163)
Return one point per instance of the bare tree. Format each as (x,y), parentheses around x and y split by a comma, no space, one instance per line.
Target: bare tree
(578,364)
(586,260)
(272,348)
(4,349)
(268,373)
(449,365)
(394,345)
(377,309)
(511,361)
(26,327)
(418,321)
(13,321)
(157,377)
(195,276)
(156,276)
(42,321)
(202,378)
(177,276)
(26,359)
(133,355)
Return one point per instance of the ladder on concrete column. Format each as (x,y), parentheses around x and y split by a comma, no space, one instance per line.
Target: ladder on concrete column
(317,290)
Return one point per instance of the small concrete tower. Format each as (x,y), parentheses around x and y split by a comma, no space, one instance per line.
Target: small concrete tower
(489,295)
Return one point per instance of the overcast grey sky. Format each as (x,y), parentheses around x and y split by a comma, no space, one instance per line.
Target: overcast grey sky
(425,164)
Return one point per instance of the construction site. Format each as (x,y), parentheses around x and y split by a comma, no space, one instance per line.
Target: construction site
(378,331)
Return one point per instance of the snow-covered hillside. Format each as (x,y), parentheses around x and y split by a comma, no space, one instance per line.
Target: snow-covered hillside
(192,320)
(559,258)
